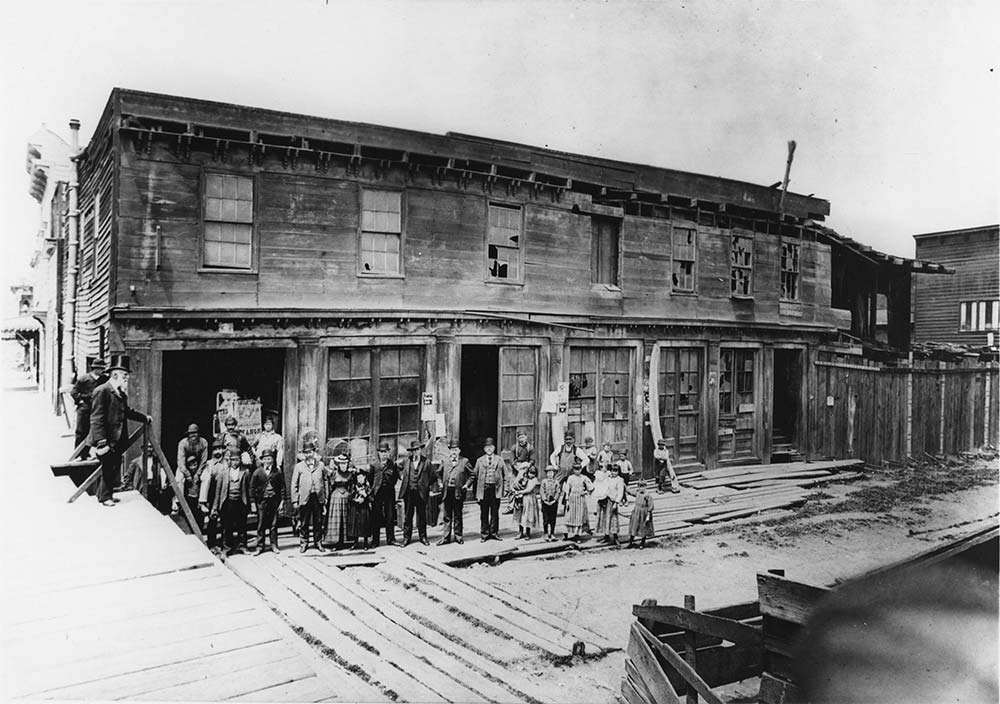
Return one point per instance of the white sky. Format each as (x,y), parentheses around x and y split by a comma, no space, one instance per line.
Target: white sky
(894,105)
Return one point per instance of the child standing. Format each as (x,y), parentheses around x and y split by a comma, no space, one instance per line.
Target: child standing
(549,494)
(601,479)
(575,492)
(624,466)
(664,468)
(617,496)
(361,509)
(516,503)
(605,457)
(641,523)
(529,504)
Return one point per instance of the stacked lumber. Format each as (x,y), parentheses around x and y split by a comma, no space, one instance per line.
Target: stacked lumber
(718,495)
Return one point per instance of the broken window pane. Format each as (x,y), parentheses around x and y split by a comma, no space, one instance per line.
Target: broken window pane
(503,242)
(684,256)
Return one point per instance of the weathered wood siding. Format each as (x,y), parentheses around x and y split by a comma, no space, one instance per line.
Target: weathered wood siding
(974,255)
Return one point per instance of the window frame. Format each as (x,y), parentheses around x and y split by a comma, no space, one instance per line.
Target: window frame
(595,251)
(402,232)
(521,249)
(985,316)
(782,271)
(693,291)
(742,234)
(204,268)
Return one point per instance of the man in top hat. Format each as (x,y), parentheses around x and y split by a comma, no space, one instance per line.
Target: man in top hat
(267,489)
(82,393)
(384,475)
(456,480)
(414,488)
(491,479)
(564,455)
(232,502)
(210,480)
(109,418)
(309,494)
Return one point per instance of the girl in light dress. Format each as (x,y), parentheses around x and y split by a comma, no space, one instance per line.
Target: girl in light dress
(574,493)
(617,495)
(529,503)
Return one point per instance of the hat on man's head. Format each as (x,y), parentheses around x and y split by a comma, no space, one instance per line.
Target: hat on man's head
(97,365)
(341,458)
(231,420)
(661,442)
(219,444)
(489,442)
(453,443)
(414,445)
(192,460)
(384,446)
(193,428)
(267,452)
(551,468)
(522,434)
(569,435)
(232,452)
(309,446)
(120,361)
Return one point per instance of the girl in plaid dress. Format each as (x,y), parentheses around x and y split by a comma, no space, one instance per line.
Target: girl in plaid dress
(338,523)
(575,492)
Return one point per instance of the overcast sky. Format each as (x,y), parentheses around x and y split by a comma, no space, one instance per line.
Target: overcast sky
(894,105)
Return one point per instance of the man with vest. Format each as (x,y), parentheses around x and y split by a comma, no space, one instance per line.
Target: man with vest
(267,489)
(456,480)
(232,502)
(384,475)
(309,493)
(564,456)
(414,488)
(491,479)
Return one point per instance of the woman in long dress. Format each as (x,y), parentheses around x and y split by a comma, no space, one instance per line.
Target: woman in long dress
(529,504)
(338,521)
(575,492)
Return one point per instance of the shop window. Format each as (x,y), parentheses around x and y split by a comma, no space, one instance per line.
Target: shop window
(599,394)
(685,256)
(228,222)
(741,265)
(789,271)
(605,237)
(504,243)
(736,380)
(381,233)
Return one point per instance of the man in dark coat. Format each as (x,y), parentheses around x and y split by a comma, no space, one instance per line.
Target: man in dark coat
(384,475)
(267,489)
(416,474)
(491,478)
(232,502)
(456,480)
(109,418)
(82,393)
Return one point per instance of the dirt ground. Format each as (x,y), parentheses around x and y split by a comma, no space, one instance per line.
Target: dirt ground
(842,530)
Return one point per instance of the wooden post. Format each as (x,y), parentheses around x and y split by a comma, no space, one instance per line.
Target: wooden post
(987,410)
(690,654)
(941,423)
(908,442)
(178,489)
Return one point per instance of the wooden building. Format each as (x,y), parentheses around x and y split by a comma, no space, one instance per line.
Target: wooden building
(357,278)
(965,308)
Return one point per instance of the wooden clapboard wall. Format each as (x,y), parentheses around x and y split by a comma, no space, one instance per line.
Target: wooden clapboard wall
(884,414)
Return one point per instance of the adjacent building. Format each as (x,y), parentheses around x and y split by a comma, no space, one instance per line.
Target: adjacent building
(963,309)
(367,283)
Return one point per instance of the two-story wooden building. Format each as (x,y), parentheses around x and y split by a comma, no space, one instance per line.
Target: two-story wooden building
(357,278)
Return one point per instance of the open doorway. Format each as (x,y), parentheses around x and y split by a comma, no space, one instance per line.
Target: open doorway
(787,405)
(478,418)
(191,380)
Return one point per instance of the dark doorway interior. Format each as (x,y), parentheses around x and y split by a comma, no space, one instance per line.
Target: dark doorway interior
(191,381)
(478,414)
(787,397)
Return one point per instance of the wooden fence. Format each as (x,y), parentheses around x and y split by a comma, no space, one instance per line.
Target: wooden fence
(881,414)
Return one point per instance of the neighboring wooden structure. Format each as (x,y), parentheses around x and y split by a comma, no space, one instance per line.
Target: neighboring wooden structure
(359,280)
(965,308)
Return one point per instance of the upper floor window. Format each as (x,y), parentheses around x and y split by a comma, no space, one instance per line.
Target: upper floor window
(504,243)
(381,232)
(605,238)
(228,237)
(978,316)
(741,265)
(685,255)
(789,271)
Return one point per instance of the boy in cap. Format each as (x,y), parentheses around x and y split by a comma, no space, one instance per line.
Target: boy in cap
(232,501)
(456,478)
(309,494)
(383,474)
(267,489)
(664,468)
(624,465)
(549,495)
(491,480)
(191,483)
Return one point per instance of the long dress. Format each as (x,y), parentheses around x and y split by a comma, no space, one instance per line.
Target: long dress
(338,523)
(359,516)
(577,487)
(641,523)
(529,508)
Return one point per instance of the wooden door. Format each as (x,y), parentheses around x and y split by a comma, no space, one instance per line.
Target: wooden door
(680,384)
(737,403)
(600,383)
(518,385)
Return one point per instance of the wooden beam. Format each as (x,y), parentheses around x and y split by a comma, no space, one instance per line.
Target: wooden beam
(97,472)
(674,659)
(178,489)
(774,690)
(785,599)
(646,664)
(685,619)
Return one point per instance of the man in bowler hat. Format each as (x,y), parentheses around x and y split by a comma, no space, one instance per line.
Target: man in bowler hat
(82,393)
(384,474)
(416,473)
(491,478)
(456,480)
(109,418)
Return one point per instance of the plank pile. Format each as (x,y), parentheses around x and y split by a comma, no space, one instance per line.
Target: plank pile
(718,495)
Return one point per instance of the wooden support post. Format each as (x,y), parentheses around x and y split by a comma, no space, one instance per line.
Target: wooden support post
(178,489)
(941,424)
(908,442)
(988,410)
(690,653)
(97,472)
